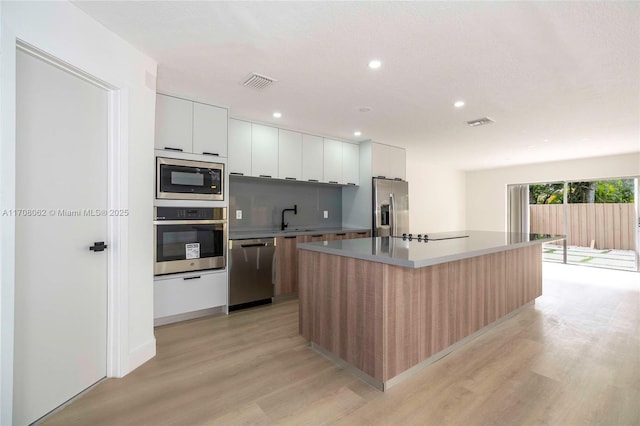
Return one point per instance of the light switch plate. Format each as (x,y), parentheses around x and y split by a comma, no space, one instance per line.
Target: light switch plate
(238,214)
(326,214)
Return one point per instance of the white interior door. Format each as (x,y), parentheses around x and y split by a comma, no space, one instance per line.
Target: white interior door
(61,286)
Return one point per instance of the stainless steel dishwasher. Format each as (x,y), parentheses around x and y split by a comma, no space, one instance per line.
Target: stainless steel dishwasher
(251,272)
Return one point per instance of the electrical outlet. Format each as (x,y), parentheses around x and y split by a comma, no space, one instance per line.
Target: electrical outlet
(238,214)
(326,214)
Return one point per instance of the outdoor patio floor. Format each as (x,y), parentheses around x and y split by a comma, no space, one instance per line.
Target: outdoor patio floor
(600,258)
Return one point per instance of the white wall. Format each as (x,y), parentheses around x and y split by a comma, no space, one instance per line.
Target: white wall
(487,189)
(63,31)
(436,195)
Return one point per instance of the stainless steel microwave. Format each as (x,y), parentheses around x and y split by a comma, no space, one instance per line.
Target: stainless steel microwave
(189,180)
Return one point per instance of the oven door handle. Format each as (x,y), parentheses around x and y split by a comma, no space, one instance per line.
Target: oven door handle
(189,222)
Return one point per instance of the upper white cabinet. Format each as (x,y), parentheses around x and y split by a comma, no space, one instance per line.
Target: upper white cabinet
(174,123)
(239,147)
(350,163)
(332,161)
(388,161)
(209,130)
(289,155)
(264,151)
(194,127)
(312,158)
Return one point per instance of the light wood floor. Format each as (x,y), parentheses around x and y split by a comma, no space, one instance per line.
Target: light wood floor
(572,359)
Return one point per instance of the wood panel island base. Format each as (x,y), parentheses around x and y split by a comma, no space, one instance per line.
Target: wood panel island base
(387,307)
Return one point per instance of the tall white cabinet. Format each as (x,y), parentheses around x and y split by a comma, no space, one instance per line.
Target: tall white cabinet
(196,131)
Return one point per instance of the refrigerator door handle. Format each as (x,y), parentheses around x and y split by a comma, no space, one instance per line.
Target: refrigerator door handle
(392,216)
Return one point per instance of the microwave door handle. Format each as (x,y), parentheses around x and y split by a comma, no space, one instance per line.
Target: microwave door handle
(392,216)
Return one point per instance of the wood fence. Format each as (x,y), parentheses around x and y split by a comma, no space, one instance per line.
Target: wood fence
(609,225)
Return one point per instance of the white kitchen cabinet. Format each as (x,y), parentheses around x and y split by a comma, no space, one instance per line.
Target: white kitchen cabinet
(289,155)
(209,130)
(264,151)
(191,127)
(196,291)
(332,161)
(174,123)
(239,147)
(350,163)
(388,161)
(312,158)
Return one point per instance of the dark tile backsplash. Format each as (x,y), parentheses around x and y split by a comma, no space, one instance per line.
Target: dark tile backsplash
(262,201)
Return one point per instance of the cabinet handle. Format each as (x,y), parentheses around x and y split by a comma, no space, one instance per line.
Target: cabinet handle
(288,238)
(265,176)
(192,278)
(361,233)
(315,236)
(236,173)
(349,183)
(381,177)
(254,245)
(211,153)
(288,178)
(173,149)
(332,181)
(312,180)
(400,179)
(341,235)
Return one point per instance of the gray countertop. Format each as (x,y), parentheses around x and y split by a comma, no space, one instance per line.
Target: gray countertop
(416,254)
(243,234)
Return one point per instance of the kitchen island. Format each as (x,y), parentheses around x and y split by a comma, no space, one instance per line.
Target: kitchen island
(386,307)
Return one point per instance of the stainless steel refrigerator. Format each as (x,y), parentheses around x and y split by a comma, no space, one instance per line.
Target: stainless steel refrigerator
(390,207)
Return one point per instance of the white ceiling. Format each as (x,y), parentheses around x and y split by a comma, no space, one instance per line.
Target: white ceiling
(561,79)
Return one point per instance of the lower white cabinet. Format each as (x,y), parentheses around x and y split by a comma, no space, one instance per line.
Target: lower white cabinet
(189,292)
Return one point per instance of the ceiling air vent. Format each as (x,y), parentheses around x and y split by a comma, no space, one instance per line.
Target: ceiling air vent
(480,122)
(258,81)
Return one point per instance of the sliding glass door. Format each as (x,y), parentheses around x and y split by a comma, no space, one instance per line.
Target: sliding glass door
(602,223)
(547,216)
(599,218)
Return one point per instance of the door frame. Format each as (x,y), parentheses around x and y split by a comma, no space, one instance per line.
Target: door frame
(117,226)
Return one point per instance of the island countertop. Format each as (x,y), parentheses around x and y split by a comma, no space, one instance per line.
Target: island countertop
(418,254)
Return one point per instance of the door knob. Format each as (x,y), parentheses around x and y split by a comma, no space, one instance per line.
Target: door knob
(98,246)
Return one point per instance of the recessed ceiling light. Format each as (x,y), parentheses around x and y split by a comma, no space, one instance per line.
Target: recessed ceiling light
(458,104)
(546,140)
(357,133)
(375,64)
(277,114)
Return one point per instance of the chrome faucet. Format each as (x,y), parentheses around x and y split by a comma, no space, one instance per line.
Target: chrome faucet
(294,210)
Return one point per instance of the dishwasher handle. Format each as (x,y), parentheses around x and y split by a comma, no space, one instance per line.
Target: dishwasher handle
(254,245)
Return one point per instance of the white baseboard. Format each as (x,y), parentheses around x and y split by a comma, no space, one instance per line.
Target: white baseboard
(142,354)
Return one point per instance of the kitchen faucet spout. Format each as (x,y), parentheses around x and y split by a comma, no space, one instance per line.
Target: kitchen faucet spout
(294,210)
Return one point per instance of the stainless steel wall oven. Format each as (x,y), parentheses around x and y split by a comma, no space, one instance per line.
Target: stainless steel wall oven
(189,239)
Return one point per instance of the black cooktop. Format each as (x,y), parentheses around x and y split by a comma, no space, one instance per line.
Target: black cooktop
(431,237)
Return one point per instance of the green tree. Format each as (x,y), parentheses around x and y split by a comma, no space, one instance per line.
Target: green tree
(606,191)
(614,191)
(546,193)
